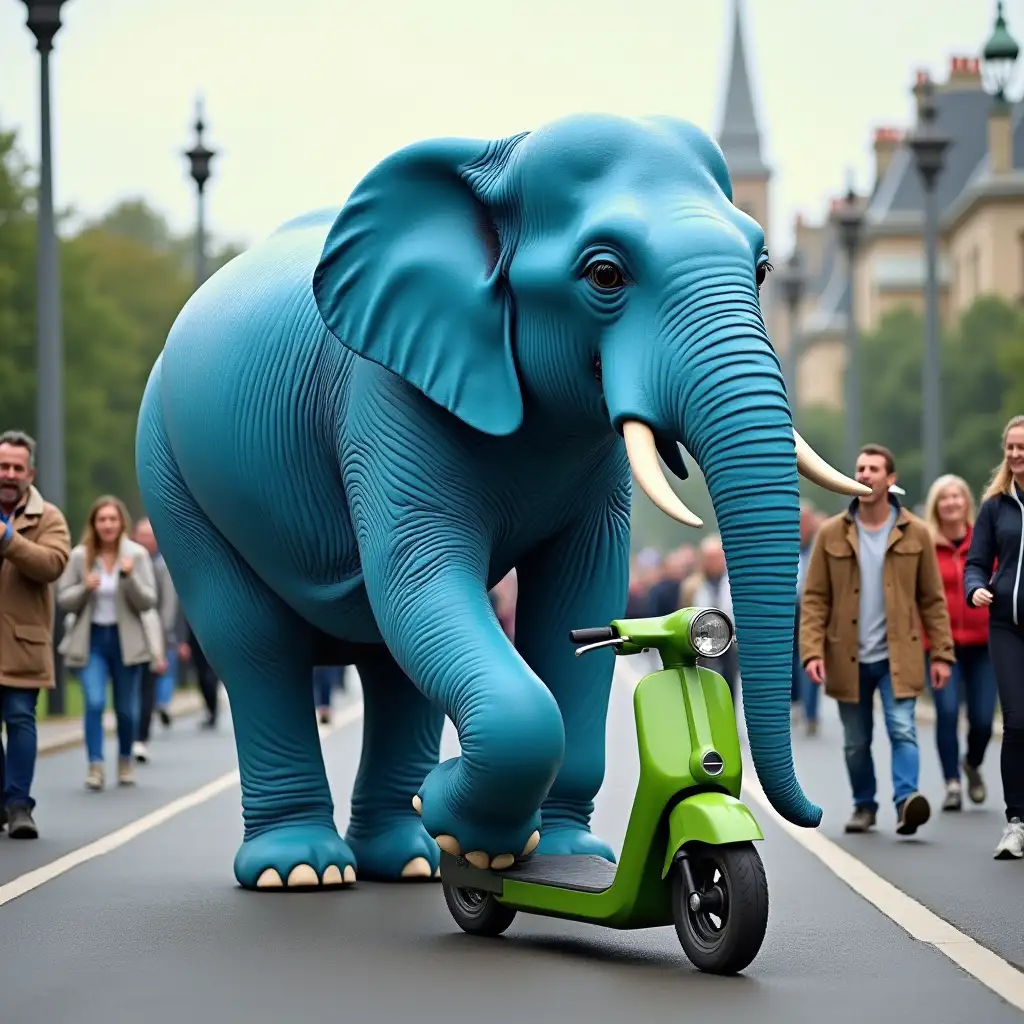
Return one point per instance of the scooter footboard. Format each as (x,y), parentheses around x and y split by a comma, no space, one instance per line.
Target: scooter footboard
(709,817)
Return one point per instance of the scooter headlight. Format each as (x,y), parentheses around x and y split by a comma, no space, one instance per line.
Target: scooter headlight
(711,633)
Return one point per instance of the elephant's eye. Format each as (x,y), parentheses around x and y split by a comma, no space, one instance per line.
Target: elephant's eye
(763,270)
(605,276)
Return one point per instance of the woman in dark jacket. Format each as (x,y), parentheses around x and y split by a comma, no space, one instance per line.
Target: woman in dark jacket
(998,541)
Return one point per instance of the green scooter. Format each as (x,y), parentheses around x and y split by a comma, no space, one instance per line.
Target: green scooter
(688,858)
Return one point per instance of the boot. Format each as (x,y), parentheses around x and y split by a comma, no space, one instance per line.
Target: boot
(20,824)
(125,775)
(94,776)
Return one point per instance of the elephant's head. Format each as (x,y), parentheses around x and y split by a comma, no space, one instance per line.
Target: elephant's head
(597,271)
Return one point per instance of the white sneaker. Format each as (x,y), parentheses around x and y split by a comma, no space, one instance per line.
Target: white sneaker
(140,752)
(1011,843)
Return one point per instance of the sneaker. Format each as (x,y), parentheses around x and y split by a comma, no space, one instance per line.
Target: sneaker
(975,783)
(165,717)
(125,775)
(94,776)
(912,814)
(954,799)
(1011,843)
(20,824)
(140,752)
(3,818)
(862,820)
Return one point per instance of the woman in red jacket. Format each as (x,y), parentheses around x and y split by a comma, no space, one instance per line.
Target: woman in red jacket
(949,512)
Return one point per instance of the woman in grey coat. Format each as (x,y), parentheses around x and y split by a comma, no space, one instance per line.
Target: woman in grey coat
(109,587)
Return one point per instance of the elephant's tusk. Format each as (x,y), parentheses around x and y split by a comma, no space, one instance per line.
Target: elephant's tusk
(643,459)
(818,471)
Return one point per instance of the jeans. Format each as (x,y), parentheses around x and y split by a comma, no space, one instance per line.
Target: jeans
(105,664)
(858,721)
(972,680)
(325,679)
(1006,645)
(156,691)
(18,709)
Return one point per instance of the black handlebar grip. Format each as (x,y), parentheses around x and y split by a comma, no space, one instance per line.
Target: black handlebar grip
(593,635)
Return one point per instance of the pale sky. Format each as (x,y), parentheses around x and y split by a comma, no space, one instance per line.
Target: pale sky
(303,97)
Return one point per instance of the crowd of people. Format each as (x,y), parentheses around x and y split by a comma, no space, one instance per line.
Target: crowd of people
(123,633)
(889,601)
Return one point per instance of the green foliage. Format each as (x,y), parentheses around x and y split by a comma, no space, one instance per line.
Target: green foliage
(124,278)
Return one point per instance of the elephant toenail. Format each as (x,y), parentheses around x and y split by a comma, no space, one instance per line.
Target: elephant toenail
(417,804)
(332,876)
(479,859)
(531,844)
(449,844)
(502,861)
(303,874)
(270,879)
(350,874)
(418,867)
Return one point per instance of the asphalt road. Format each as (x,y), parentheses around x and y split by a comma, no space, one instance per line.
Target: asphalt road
(156,930)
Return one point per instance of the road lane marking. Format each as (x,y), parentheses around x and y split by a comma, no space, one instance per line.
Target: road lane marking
(106,844)
(913,917)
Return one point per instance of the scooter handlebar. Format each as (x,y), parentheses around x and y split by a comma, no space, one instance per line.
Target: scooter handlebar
(593,635)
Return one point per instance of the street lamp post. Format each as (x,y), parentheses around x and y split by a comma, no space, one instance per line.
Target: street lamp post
(929,146)
(1000,55)
(793,280)
(44,23)
(199,158)
(850,219)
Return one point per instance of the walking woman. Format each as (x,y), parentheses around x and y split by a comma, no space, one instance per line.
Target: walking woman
(998,544)
(109,586)
(949,512)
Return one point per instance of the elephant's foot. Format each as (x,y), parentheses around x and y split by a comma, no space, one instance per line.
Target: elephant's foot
(573,839)
(494,843)
(400,851)
(295,856)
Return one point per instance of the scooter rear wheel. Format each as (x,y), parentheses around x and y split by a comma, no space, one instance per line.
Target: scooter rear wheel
(721,930)
(476,912)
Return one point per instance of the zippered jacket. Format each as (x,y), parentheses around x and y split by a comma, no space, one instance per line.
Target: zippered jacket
(969,624)
(999,538)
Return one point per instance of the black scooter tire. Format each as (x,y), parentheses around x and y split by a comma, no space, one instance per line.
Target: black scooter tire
(732,946)
(476,912)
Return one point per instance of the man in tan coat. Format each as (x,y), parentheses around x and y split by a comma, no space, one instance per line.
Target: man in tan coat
(872,581)
(34,548)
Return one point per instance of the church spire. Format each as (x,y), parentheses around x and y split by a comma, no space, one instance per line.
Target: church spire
(739,134)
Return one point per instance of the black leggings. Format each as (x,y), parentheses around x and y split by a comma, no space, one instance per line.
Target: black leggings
(1006,645)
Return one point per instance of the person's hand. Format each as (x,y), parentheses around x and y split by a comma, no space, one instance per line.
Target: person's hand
(940,674)
(184,651)
(92,581)
(160,667)
(981,597)
(815,670)
(126,566)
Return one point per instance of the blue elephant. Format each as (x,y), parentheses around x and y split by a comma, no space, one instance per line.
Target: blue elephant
(361,424)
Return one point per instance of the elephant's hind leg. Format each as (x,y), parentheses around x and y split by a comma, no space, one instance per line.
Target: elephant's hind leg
(401,745)
(261,650)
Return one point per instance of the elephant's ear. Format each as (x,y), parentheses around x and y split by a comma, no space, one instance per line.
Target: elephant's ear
(411,277)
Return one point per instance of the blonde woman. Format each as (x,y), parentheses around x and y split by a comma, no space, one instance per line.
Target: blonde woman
(994,579)
(949,513)
(109,586)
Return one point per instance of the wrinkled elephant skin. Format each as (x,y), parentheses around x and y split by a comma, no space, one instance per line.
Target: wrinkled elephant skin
(359,425)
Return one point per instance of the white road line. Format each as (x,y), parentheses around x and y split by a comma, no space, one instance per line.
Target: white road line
(48,872)
(913,917)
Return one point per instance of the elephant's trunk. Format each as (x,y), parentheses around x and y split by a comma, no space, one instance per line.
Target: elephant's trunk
(739,429)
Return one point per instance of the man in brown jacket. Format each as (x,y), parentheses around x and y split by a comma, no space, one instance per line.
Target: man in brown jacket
(872,581)
(34,549)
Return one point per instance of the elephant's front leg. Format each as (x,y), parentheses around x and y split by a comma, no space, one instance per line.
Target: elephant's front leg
(577,579)
(425,577)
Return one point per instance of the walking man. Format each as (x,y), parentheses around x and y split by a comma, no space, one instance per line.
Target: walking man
(872,581)
(34,548)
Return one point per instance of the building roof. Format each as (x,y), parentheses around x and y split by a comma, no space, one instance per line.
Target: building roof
(739,134)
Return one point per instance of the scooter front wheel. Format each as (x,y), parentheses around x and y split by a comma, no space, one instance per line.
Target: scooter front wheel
(476,912)
(721,923)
